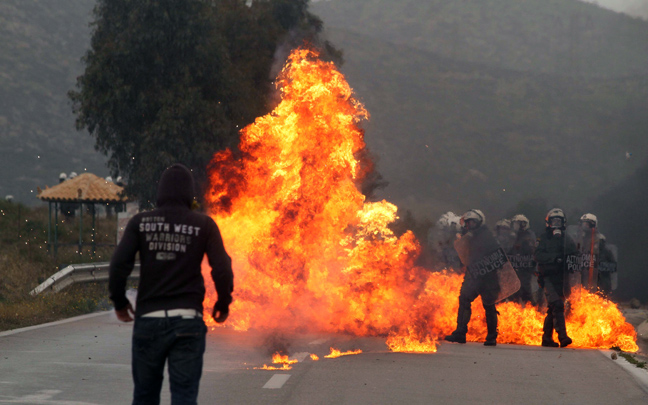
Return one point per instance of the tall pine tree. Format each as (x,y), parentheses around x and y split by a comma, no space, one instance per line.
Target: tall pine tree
(173,81)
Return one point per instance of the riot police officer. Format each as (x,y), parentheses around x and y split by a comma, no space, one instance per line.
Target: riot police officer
(504,235)
(521,256)
(553,248)
(476,242)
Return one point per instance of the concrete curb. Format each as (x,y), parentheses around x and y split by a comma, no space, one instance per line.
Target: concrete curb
(640,374)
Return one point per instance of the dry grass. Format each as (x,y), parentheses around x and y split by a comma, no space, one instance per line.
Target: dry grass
(25,263)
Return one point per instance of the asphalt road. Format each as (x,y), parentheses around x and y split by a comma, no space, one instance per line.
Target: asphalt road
(86,360)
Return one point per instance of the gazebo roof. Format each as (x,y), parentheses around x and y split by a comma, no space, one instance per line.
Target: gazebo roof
(86,188)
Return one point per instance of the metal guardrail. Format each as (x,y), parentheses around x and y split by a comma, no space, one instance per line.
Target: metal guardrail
(79,273)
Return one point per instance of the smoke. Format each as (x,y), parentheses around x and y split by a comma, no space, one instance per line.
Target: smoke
(623,217)
(635,8)
(276,342)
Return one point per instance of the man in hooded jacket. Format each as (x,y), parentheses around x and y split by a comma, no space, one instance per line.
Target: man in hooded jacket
(172,241)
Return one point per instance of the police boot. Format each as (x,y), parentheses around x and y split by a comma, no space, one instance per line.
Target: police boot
(547,329)
(459,334)
(491,326)
(559,324)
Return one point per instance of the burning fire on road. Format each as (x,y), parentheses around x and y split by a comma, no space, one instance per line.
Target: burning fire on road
(310,254)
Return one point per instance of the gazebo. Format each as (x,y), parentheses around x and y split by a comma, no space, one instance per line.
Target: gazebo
(71,194)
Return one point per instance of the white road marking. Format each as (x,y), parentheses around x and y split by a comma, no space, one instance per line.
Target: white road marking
(92,364)
(318,342)
(277,381)
(23,351)
(45,325)
(43,397)
(301,356)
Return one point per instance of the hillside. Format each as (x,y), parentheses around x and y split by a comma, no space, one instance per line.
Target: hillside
(473,135)
(622,208)
(472,131)
(564,37)
(41,45)
(480,134)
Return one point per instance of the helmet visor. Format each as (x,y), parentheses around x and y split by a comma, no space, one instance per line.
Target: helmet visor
(588,224)
(556,222)
(470,224)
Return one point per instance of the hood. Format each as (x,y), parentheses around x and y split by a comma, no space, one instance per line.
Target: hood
(176,186)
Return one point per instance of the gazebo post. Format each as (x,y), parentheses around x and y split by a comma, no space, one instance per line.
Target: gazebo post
(57,205)
(80,227)
(94,231)
(49,226)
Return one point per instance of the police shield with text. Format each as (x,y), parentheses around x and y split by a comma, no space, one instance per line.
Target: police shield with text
(488,274)
(607,269)
(521,257)
(589,246)
(553,249)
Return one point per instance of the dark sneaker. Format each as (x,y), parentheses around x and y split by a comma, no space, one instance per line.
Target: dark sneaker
(490,343)
(549,343)
(565,342)
(455,338)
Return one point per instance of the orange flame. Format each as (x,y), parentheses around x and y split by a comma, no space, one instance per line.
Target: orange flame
(335,353)
(314,357)
(278,358)
(266,367)
(311,255)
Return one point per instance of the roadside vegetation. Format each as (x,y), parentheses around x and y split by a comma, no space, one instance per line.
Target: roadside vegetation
(25,263)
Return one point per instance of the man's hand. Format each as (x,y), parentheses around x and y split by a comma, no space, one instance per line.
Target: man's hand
(220,314)
(125,314)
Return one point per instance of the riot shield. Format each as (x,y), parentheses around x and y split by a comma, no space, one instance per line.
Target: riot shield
(462,247)
(607,269)
(521,256)
(496,276)
(587,243)
(441,247)
(573,265)
(573,270)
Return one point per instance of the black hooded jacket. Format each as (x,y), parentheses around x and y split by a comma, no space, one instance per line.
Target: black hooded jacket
(172,241)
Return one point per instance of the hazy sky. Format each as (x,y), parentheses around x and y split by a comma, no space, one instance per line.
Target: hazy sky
(638,8)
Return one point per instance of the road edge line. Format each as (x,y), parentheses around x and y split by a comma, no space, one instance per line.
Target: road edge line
(640,375)
(59,322)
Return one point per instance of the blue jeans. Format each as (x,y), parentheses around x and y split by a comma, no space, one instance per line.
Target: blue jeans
(182,342)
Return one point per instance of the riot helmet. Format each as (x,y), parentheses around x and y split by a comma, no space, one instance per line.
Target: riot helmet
(588,222)
(556,220)
(472,220)
(503,226)
(519,223)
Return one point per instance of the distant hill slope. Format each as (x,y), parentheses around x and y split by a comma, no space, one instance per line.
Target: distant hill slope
(41,44)
(636,8)
(623,216)
(565,37)
(456,135)
(494,134)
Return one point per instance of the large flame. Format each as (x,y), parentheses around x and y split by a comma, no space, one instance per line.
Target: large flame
(310,254)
